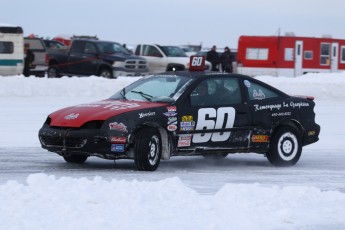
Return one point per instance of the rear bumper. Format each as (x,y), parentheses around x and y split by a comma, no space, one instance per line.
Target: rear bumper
(311,135)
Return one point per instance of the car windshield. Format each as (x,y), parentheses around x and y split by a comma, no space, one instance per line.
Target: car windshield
(158,88)
(111,47)
(173,51)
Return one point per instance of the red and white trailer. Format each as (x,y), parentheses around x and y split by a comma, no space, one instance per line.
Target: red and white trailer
(289,56)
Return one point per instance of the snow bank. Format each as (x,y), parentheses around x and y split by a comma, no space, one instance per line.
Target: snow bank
(45,202)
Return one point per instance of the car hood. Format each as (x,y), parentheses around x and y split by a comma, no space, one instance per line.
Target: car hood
(78,115)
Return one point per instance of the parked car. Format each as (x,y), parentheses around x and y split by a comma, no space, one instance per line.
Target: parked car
(86,57)
(40,64)
(164,58)
(185,113)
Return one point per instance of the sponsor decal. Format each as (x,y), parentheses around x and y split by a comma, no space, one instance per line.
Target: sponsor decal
(171,111)
(121,140)
(294,105)
(187,125)
(113,105)
(298,104)
(171,108)
(281,114)
(148,114)
(187,118)
(172,128)
(247,83)
(72,116)
(266,107)
(258,95)
(117,148)
(172,120)
(311,133)
(184,141)
(118,126)
(259,138)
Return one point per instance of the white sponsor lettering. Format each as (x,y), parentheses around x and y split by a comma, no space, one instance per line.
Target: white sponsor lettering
(141,115)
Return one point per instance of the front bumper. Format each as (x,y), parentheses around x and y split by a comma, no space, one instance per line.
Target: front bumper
(66,141)
(118,72)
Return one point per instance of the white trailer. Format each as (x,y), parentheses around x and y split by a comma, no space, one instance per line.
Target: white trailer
(11,50)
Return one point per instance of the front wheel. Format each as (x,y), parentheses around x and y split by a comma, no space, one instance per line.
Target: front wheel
(148,149)
(74,158)
(105,72)
(285,148)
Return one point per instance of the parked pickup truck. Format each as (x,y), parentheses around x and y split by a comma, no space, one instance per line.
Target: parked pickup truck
(87,57)
(164,58)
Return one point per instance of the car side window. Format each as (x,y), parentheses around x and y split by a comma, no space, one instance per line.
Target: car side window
(90,48)
(151,51)
(215,92)
(77,47)
(258,92)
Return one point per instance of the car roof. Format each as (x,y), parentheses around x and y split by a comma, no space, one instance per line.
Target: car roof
(198,74)
(206,74)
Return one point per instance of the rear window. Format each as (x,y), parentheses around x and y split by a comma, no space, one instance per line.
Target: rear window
(6,47)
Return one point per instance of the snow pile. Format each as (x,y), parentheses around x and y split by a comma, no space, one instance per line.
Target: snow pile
(66,203)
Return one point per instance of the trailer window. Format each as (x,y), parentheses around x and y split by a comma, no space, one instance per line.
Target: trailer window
(325,54)
(308,55)
(257,53)
(342,60)
(6,47)
(288,54)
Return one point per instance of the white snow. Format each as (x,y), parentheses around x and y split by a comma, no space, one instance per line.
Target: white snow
(48,202)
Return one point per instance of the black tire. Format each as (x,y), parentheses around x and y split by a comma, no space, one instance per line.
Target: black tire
(148,149)
(285,147)
(75,159)
(53,72)
(105,72)
(215,156)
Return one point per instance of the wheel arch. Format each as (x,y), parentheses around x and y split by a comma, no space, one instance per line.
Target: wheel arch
(166,140)
(291,123)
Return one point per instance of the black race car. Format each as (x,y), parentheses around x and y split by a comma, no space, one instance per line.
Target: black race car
(185,113)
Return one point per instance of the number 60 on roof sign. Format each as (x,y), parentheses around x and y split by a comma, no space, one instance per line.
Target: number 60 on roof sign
(197,63)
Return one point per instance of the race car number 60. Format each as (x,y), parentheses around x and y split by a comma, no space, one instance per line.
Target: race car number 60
(225,118)
(197,61)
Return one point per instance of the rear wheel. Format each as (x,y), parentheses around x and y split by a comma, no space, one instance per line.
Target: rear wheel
(148,149)
(285,148)
(74,158)
(53,72)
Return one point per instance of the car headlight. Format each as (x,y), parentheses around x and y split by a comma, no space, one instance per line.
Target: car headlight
(117,64)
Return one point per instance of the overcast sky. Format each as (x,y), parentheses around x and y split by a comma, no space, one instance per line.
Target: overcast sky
(176,22)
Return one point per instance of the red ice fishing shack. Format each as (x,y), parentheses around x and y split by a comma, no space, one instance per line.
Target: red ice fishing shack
(289,55)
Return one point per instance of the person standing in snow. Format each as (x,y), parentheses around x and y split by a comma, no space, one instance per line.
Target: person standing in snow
(213,57)
(29,58)
(226,60)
